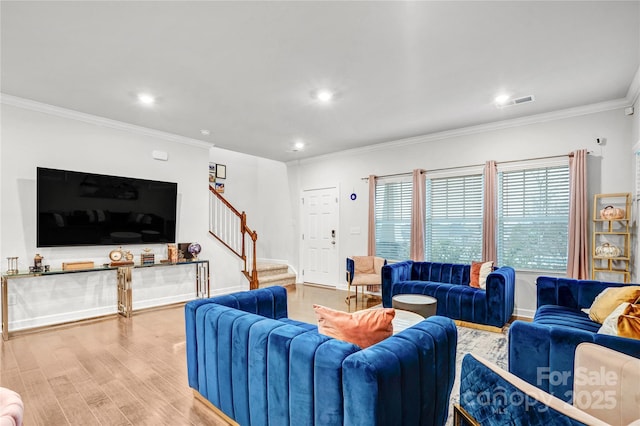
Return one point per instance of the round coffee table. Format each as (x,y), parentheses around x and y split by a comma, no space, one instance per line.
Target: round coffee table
(418,303)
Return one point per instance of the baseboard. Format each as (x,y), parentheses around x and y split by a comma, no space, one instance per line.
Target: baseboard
(524,313)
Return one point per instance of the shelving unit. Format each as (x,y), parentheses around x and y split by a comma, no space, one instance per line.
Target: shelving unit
(615,233)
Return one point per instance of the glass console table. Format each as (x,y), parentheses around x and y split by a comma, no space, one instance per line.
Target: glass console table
(124,285)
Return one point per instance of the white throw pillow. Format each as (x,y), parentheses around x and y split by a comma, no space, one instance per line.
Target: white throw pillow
(485,270)
(610,323)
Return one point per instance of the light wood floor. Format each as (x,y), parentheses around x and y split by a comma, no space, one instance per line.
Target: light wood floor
(120,371)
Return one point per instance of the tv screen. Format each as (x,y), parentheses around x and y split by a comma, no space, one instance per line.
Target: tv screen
(80,209)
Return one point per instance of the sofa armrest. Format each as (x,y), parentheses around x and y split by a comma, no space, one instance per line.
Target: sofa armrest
(543,355)
(500,290)
(404,380)
(569,292)
(350,270)
(270,302)
(391,274)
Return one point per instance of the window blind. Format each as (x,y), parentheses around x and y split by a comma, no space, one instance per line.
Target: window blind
(533,218)
(454,219)
(393,219)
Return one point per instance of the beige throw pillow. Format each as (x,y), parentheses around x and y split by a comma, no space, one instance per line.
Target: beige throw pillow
(485,270)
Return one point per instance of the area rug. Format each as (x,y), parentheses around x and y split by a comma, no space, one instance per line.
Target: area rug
(491,346)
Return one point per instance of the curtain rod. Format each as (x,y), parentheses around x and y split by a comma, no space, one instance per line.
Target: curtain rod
(549,157)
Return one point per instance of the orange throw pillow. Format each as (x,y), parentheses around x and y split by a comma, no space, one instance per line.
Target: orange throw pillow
(475,274)
(629,322)
(362,328)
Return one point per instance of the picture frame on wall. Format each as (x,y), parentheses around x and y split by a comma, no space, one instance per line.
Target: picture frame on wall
(212,177)
(221,171)
(212,168)
(219,187)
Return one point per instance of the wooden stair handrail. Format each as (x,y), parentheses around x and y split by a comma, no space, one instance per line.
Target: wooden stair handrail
(251,274)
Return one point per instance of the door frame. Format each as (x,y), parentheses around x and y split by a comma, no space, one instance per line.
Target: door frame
(303,223)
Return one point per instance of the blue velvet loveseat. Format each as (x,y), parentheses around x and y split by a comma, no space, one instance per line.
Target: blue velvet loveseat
(449,284)
(249,360)
(542,352)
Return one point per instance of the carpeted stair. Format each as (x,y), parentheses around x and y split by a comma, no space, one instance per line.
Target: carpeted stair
(270,274)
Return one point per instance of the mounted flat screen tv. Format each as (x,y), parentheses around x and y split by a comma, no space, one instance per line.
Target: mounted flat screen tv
(83,209)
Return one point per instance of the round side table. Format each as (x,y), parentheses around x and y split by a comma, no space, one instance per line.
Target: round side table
(418,303)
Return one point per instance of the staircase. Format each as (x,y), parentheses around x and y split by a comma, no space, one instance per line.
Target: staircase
(270,274)
(229,226)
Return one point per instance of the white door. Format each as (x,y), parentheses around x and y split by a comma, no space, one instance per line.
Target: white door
(319,236)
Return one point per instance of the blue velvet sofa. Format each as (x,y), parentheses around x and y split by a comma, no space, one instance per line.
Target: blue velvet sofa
(542,352)
(449,284)
(249,360)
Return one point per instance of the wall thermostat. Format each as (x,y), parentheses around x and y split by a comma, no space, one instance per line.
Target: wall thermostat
(353,196)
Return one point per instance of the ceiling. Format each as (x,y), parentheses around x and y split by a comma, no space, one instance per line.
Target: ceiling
(246,70)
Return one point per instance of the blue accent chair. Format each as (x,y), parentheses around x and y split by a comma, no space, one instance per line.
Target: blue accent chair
(490,396)
(449,284)
(549,343)
(249,360)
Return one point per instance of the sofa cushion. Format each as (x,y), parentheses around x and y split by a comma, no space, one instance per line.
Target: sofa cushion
(554,315)
(362,328)
(611,298)
(363,265)
(366,279)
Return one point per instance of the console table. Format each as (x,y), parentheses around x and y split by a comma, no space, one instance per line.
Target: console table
(124,285)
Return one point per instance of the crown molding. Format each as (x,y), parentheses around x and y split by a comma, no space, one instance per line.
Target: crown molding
(481,128)
(634,88)
(98,121)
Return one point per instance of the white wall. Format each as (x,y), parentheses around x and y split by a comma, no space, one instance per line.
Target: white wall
(30,139)
(608,168)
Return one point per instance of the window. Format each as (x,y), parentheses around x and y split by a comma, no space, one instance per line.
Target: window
(533,218)
(453,226)
(393,218)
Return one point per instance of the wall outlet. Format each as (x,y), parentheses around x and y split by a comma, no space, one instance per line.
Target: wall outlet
(11,300)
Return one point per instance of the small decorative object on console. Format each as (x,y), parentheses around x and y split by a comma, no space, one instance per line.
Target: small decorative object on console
(116,255)
(37,264)
(172,253)
(612,213)
(607,250)
(12,265)
(120,257)
(74,266)
(147,257)
(194,249)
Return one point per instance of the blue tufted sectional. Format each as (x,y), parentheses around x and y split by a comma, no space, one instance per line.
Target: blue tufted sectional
(259,367)
(542,352)
(449,284)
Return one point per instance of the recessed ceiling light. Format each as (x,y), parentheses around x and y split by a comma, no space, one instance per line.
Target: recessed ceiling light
(501,99)
(205,132)
(146,99)
(298,146)
(324,95)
